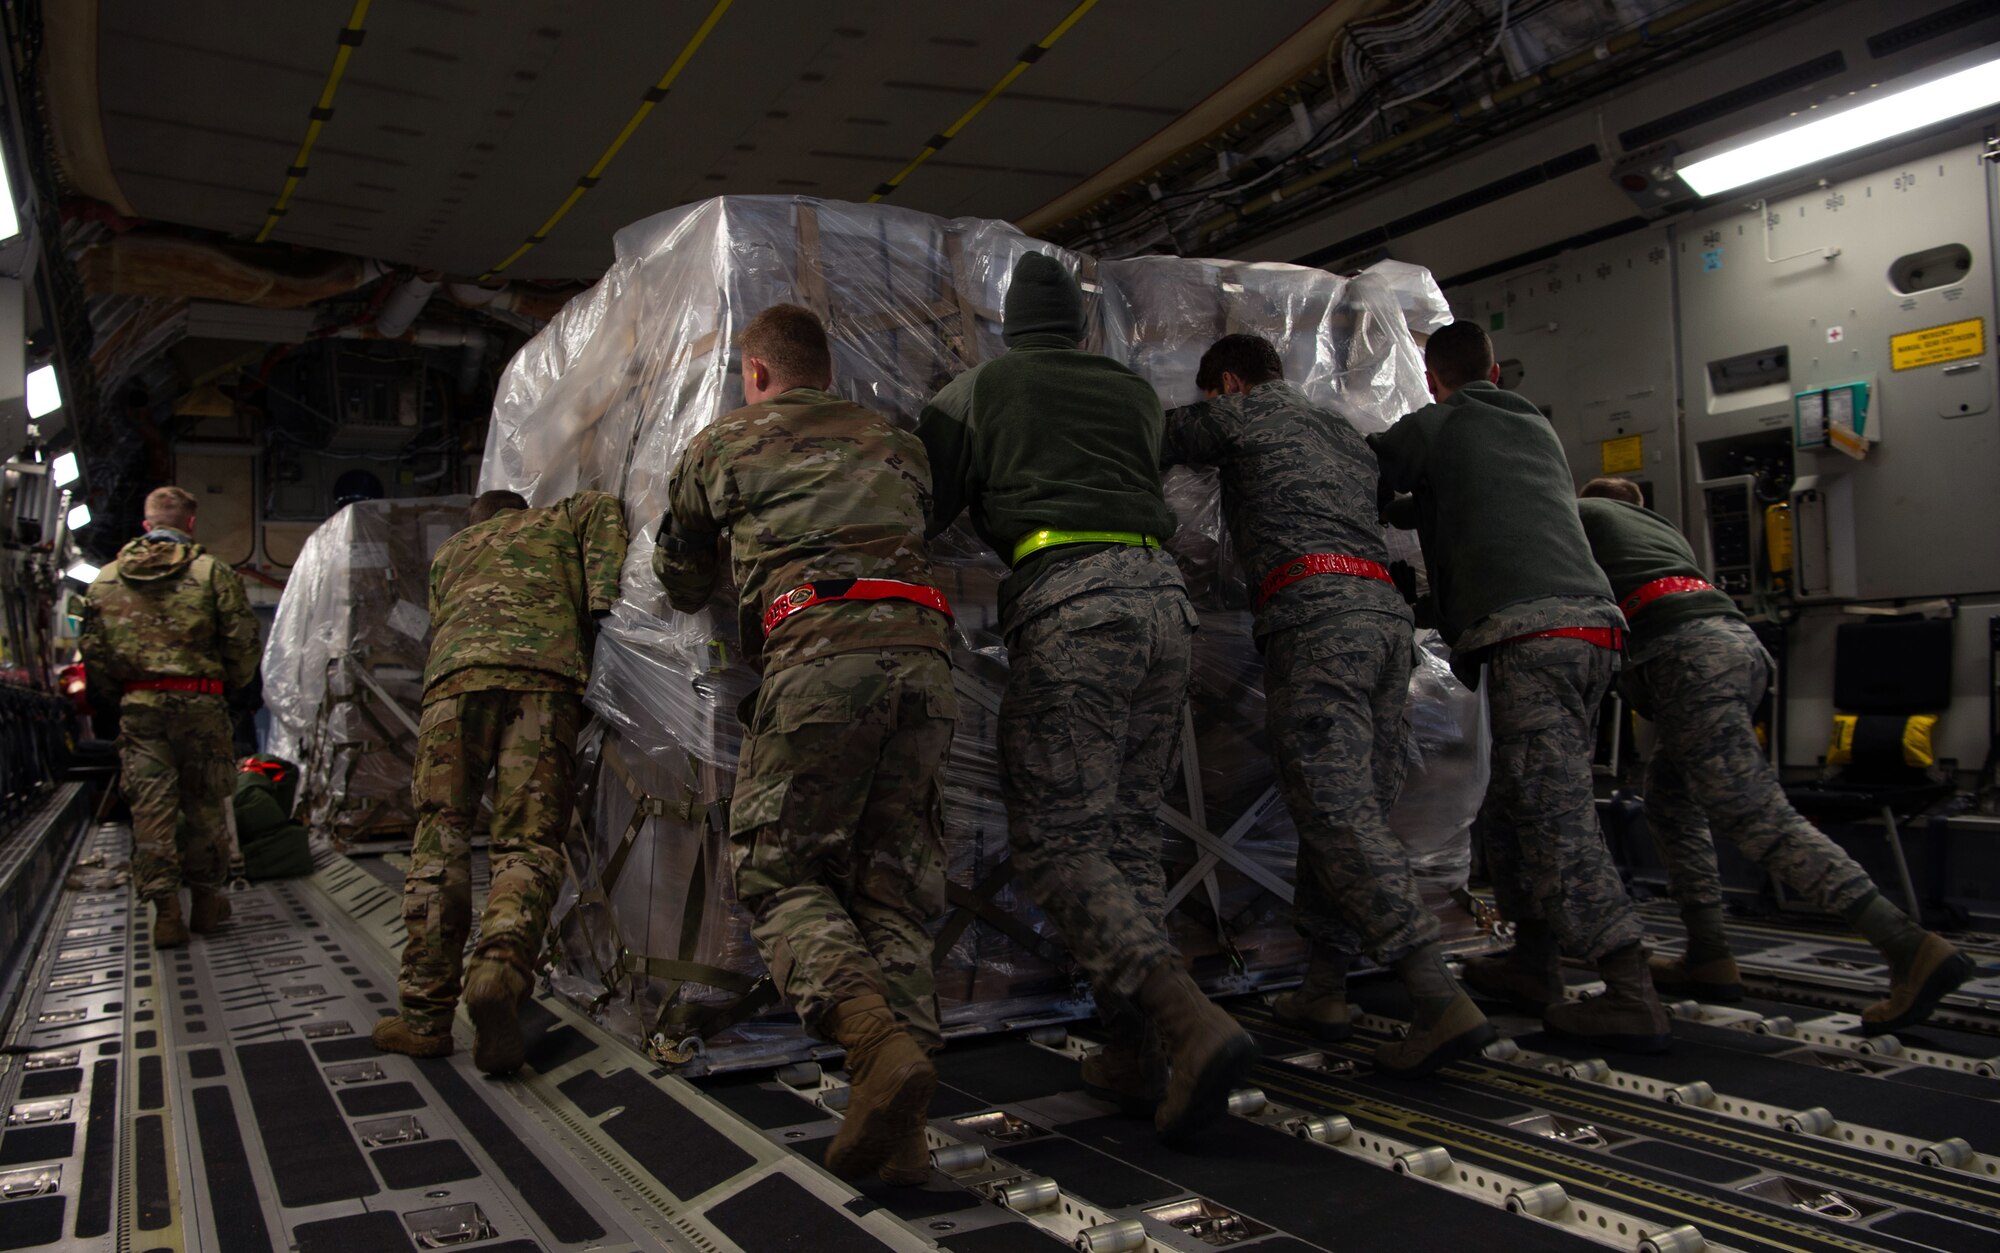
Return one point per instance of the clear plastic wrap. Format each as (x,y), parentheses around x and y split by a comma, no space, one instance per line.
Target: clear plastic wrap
(1415,290)
(609,394)
(346,653)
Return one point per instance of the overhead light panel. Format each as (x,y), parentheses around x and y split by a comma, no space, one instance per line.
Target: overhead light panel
(44,393)
(1820,136)
(64,470)
(83,572)
(79,517)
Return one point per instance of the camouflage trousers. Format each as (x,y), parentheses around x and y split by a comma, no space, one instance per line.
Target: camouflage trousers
(1701,686)
(174,759)
(1538,826)
(1337,693)
(527,741)
(1089,729)
(836,830)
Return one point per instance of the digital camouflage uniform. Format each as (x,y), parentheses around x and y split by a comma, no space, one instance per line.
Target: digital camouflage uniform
(1494,507)
(511,600)
(835,826)
(1694,667)
(1299,479)
(165,609)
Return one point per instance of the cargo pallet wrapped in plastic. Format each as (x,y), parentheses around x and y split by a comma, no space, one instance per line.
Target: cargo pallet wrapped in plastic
(344,667)
(649,937)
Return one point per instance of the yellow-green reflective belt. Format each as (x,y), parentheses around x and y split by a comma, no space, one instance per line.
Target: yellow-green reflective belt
(1035,541)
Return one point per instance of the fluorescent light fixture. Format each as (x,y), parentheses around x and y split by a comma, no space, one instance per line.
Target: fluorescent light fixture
(1821,135)
(64,470)
(79,517)
(44,393)
(83,572)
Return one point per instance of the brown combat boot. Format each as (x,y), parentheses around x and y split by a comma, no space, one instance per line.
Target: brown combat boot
(1208,1052)
(1627,1015)
(1460,1033)
(1528,976)
(890,1081)
(394,1035)
(1932,973)
(1130,1073)
(1318,1006)
(494,990)
(1716,979)
(168,929)
(909,1164)
(211,910)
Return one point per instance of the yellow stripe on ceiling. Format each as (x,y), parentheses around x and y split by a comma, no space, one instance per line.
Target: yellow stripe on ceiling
(1028,57)
(351,36)
(656,93)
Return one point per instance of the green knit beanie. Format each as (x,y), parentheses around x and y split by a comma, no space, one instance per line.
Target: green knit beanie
(1042,299)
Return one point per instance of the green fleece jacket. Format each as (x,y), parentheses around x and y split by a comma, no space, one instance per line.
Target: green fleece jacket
(1495,507)
(1046,436)
(1635,546)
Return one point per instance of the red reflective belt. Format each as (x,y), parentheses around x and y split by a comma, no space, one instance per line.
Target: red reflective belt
(1319,563)
(806,595)
(1604,637)
(207,687)
(1651,592)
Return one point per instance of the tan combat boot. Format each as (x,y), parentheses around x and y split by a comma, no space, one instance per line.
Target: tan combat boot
(1627,1015)
(168,929)
(1528,976)
(494,990)
(1208,1053)
(1130,1073)
(1715,979)
(211,910)
(394,1035)
(909,1164)
(890,1081)
(1456,1035)
(1318,1006)
(1917,985)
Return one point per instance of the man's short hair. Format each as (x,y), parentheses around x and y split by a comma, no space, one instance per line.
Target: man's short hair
(790,339)
(170,506)
(1614,489)
(491,503)
(1459,353)
(1251,358)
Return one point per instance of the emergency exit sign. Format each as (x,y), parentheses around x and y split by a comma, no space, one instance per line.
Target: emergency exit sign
(1936,345)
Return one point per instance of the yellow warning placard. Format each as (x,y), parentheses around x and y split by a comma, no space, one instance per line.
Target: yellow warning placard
(1936,345)
(1622,456)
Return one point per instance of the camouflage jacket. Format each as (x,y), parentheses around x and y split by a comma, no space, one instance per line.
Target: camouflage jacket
(517,591)
(1296,479)
(808,487)
(166,609)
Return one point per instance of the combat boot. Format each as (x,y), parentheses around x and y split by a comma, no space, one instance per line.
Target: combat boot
(1627,1015)
(211,910)
(909,1164)
(1130,1072)
(890,1081)
(394,1035)
(1528,976)
(494,990)
(1716,979)
(169,931)
(1208,1053)
(1318,1006)
(1461,1032)
(1917,984)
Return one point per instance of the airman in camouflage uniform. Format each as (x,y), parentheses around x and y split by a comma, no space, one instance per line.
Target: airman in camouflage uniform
(512,599)
(1299,492)
(835,824)
(1055,451)
(1694,667)
(170,627)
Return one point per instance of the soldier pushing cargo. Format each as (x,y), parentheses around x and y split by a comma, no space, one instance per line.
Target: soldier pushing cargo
(1518,593)
(169,626)
(1056,453)
(1694,667)
(1299,490)
(835,826)
(512,598)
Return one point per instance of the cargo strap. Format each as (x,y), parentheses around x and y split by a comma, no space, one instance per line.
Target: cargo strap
(1035,541)
(976,902)
(1306,567)
(1647,593)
